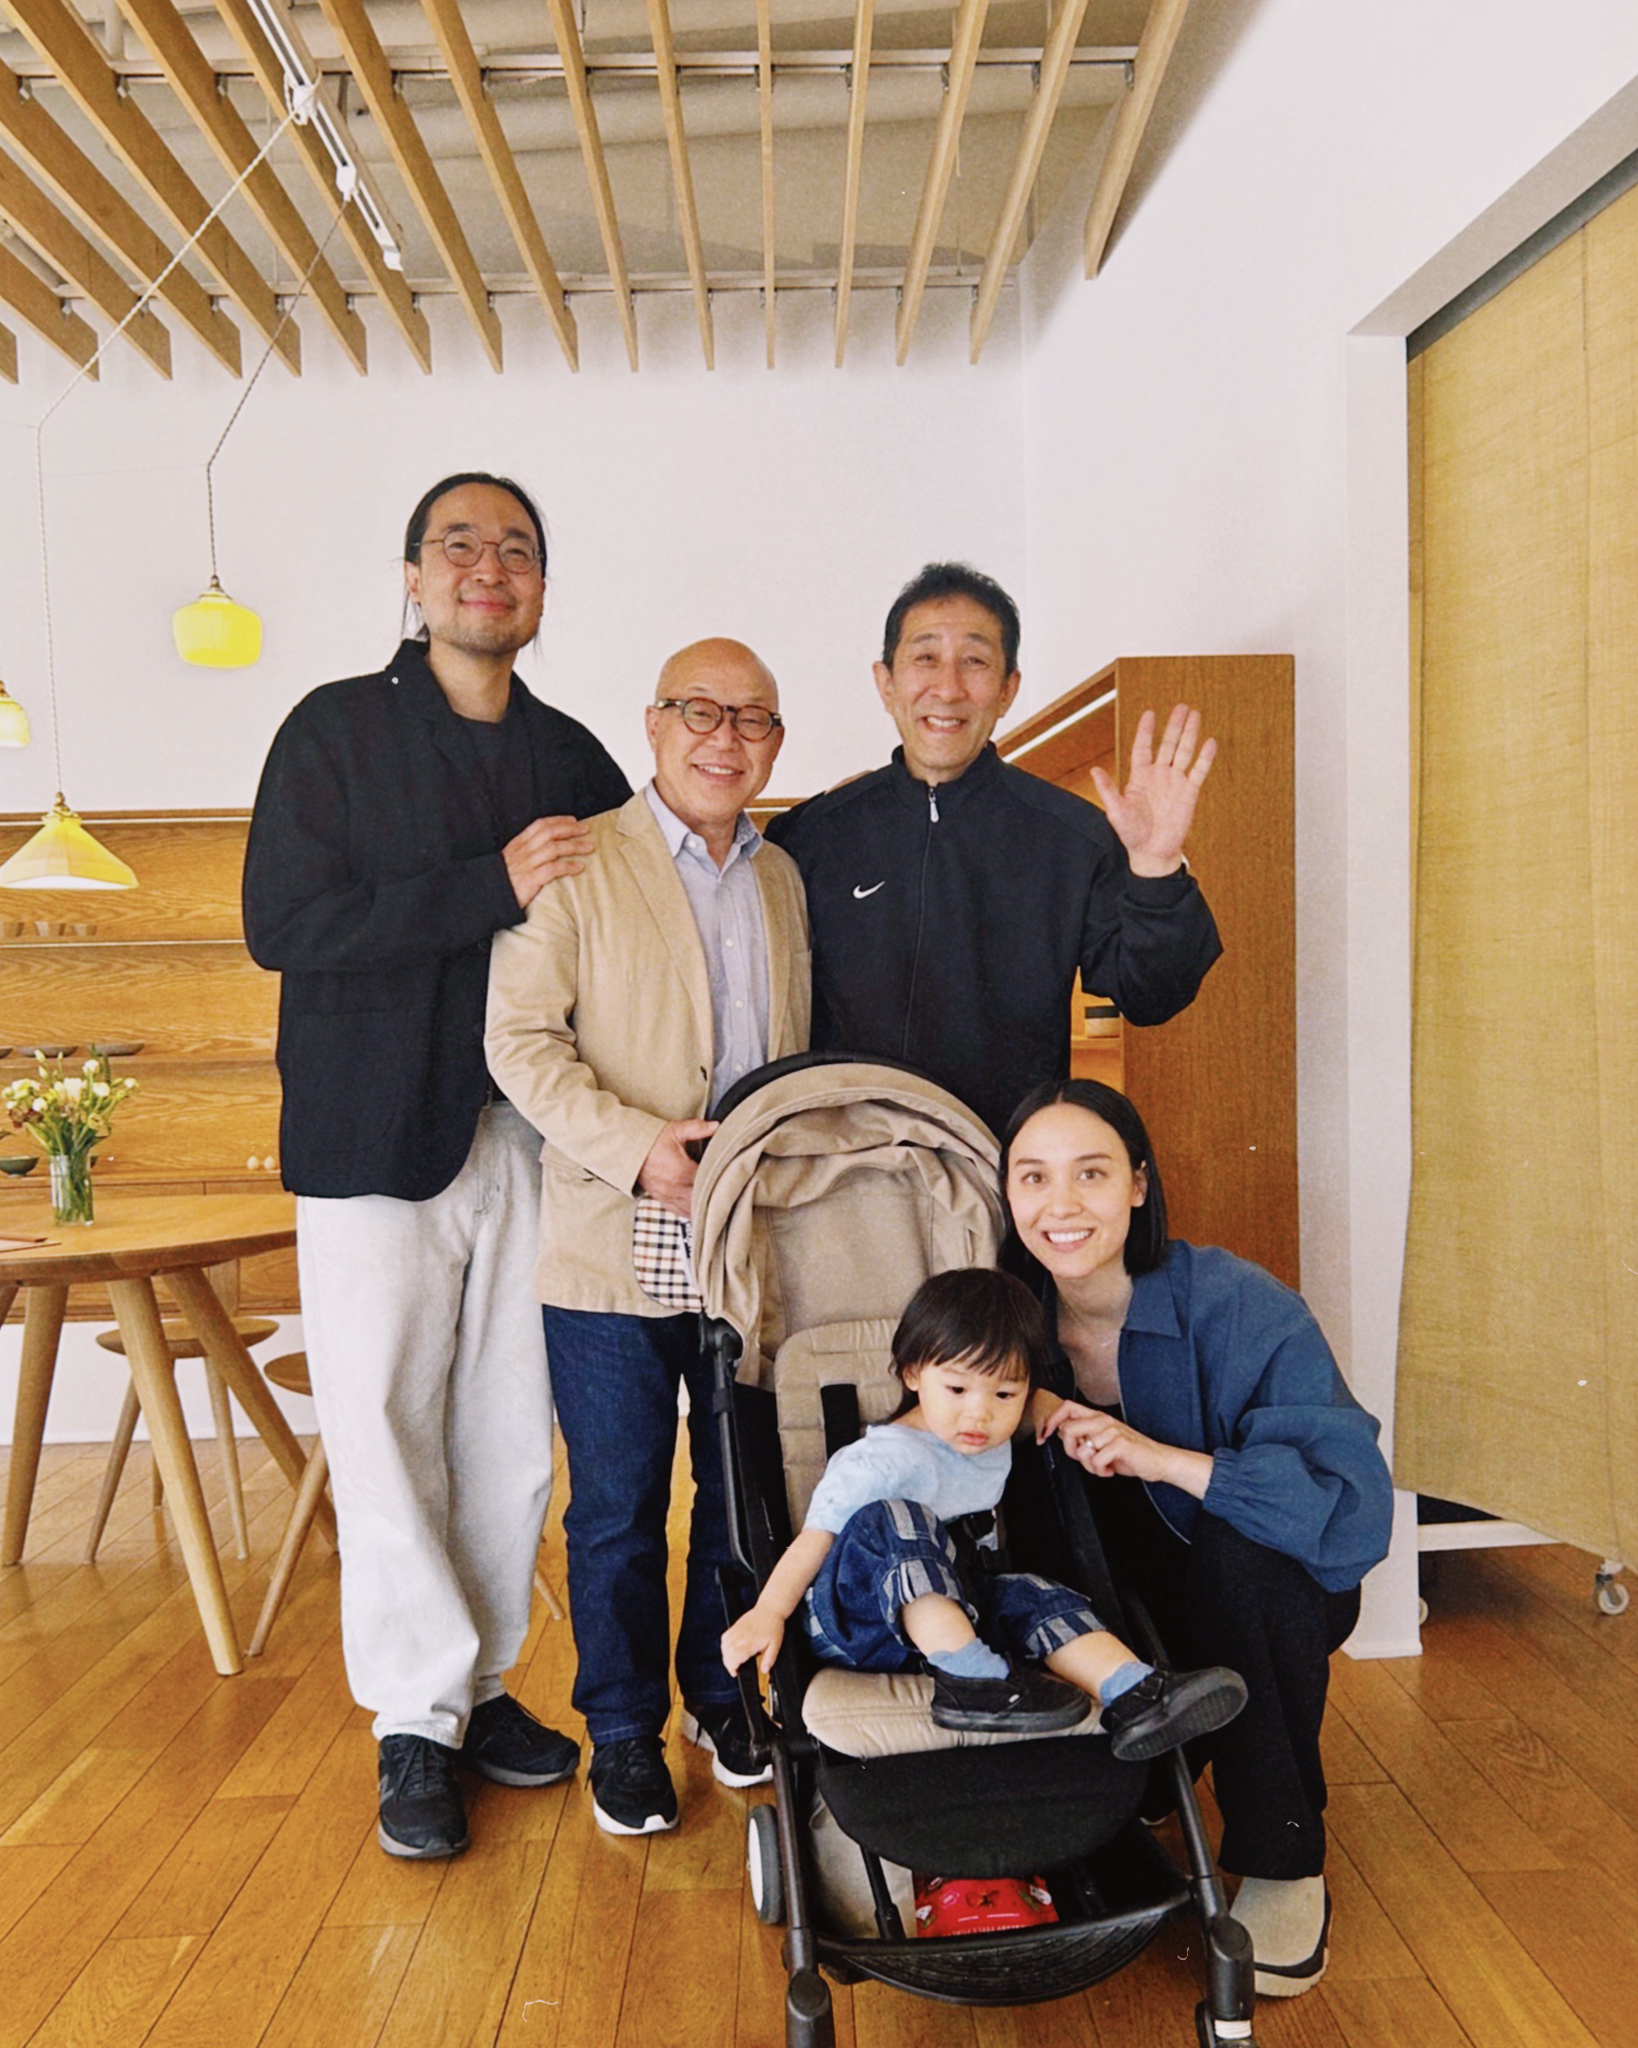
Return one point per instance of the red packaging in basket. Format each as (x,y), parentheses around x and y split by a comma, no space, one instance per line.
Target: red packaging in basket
(981,1905)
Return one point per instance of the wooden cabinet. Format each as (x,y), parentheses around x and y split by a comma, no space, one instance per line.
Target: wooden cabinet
(163,965)
(1218,1085)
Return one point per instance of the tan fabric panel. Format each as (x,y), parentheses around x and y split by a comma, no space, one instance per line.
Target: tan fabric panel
(1516,1362)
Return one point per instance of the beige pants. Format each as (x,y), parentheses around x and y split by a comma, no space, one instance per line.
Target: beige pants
(429,1370)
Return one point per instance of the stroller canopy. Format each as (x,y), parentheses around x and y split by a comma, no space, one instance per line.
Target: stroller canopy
(829,1194)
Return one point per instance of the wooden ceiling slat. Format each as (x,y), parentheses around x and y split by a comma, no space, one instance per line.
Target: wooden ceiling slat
(863,30)
(688,219)
(764,92)
(467,79)
(389,284)
(1154,53)
(62,244)
(34,301)
(373,76)
(70,173)
(969,31)
(170,42)
(67,45)
(8,355)
(1026,166)
(566,35)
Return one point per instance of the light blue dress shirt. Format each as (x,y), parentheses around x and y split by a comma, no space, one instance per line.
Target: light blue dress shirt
(727,907)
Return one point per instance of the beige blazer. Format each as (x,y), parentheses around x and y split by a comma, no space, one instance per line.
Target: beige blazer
(599,1030)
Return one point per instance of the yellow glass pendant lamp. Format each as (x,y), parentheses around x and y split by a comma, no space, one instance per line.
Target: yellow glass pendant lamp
(13,720)
(63,855)
(214,632)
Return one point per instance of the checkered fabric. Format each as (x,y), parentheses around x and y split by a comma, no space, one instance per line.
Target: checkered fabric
(662,1255)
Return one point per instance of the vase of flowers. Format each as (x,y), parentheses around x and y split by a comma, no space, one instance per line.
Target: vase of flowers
(67,1116)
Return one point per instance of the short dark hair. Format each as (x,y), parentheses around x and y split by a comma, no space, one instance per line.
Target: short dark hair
(416,531)
(1147,1239)
(985,1321)
(954,579)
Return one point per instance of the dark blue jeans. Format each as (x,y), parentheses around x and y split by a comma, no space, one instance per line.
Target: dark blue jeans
(891,1552)
(614,1380)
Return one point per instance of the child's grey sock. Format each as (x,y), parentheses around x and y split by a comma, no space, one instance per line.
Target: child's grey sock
(973,1660)
(1122,1679)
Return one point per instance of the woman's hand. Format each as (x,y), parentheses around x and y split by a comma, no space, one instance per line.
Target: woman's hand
(757,1634)
(1111,1449)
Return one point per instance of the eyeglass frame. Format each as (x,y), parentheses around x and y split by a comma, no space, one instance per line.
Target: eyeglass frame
(732,712)
(465,536)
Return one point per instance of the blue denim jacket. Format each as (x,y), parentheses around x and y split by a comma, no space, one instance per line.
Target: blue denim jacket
(1218,1356)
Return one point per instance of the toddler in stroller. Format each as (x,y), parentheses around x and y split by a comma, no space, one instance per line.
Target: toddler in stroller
(888,1577)
(831,1191)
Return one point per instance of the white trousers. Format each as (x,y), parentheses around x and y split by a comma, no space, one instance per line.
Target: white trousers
(428,1366)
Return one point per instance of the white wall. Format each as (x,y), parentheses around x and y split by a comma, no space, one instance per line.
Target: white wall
(1214,449)
(783,508)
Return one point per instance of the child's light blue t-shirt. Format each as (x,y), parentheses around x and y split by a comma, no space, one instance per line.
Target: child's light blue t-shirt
(891,1462)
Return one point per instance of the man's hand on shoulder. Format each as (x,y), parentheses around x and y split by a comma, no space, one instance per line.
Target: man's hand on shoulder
(545,852)
(669,1170)
(1152,815)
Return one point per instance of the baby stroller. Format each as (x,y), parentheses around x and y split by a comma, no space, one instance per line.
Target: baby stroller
(830,1192)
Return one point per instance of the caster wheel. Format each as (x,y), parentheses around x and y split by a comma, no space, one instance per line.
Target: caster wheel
(1421,1614)
(762,1863)
(1210,2033)
(1612,1596)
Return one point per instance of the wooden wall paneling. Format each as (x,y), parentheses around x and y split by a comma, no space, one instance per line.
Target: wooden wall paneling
(189,866)
(203,1000)
(1217,1085)
(166,966)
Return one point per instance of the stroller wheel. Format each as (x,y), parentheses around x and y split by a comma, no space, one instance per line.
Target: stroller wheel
(762,1861)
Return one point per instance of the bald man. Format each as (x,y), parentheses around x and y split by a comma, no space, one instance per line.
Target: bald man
(622,1009)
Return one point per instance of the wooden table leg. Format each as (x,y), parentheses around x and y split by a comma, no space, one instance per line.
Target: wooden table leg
(153,1370)
(42,1326)
(213,1326)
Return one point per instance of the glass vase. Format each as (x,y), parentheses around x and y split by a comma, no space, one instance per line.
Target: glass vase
(71,1187)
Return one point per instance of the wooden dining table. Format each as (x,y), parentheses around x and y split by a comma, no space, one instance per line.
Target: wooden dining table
(135,1240)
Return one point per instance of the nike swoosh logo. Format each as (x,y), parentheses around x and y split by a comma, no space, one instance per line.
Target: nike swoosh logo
(861,894)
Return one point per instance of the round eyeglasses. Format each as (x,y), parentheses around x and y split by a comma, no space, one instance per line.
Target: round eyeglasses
(463,550)
(705,714)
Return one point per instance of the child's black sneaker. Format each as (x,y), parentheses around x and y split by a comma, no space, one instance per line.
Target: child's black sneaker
(1169,1708)
(1026,1702)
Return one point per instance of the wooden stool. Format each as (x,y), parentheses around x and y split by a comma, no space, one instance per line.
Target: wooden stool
(181,1342)
(290,1373)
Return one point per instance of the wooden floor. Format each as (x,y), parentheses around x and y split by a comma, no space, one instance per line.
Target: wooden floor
(190,1862)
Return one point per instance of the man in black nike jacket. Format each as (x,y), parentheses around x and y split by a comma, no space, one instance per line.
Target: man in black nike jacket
(952,898)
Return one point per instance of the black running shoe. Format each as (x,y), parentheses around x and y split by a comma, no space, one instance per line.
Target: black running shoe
(421,1810)
(1169,1708)
(506,1743)
(721,1729)
(1026,1702)
(632,1792)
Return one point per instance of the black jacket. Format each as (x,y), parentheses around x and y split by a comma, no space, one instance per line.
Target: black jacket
(948,923)
(374,881)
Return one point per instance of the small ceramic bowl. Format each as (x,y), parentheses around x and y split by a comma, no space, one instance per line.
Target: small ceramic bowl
(116,1048)
(22,1163)
(46,1052)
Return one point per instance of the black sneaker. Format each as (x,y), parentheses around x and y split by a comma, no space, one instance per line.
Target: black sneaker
(421,1810)
(506,1743)
(1169,1708)
(632,1792)
(721,1729)
(1026,1702)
